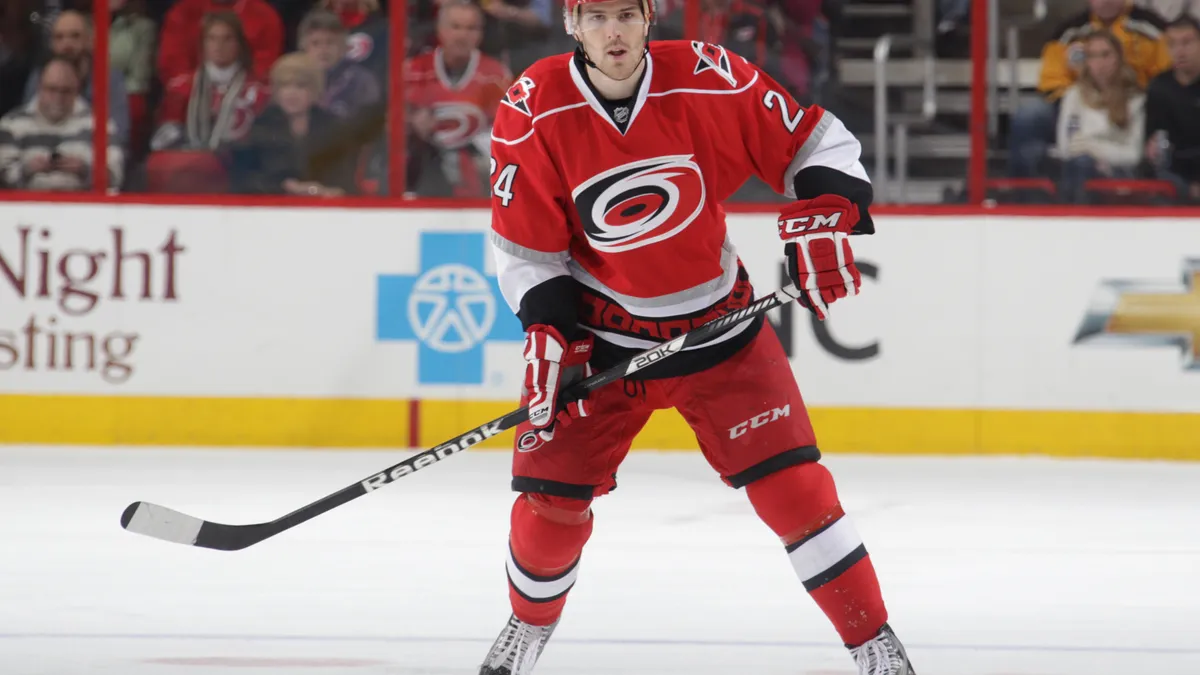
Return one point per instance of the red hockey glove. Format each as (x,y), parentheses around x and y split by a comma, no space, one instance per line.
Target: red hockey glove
(552,365)
(819,260)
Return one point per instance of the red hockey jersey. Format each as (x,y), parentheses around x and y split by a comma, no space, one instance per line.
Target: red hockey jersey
(251,99)
(464,109)
(635,217)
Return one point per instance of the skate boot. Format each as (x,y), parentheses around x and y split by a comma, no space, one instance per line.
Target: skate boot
(517,649)
(882,655)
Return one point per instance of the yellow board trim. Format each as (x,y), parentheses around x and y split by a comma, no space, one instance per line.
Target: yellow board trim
(136,420)
(369,423)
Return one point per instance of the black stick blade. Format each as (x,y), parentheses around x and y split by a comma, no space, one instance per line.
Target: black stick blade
(170,525)
(160,522)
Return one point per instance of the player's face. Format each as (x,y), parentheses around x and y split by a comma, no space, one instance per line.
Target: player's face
(613,34)
(460,30)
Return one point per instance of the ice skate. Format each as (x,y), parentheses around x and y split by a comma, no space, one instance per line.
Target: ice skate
(517,649)
(882,655)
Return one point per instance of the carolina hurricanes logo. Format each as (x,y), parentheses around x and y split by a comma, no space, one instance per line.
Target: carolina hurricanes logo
(359,46)
(529,441)
(456,124)
(715,58)
(518,95)
(640,203)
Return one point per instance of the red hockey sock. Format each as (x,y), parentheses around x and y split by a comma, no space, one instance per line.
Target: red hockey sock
(545,542)
(801,505)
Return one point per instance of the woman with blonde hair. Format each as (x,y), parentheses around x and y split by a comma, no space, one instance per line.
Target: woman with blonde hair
(1101,123)
(290,149)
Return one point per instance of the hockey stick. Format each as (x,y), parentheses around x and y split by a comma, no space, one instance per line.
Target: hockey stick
(170,525)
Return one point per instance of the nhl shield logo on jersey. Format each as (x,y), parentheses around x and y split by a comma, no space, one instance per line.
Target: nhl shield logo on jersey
(639,203)
(714,58)
(518,95)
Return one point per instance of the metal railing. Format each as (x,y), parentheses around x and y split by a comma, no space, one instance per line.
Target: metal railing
(1012,57)
(882,57)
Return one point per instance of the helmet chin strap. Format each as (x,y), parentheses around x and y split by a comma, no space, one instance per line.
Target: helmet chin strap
(588,60)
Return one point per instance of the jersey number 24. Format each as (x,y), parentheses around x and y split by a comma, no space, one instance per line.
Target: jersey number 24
(503,187)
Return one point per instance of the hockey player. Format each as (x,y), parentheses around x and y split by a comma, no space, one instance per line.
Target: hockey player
(609,167)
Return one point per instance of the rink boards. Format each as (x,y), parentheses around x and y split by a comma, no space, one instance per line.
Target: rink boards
(131,324)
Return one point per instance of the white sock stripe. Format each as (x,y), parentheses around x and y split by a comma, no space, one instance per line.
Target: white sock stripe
(825,550)
(539,590)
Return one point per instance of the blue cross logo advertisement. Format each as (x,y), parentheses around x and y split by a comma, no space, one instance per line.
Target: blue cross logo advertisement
(451,308)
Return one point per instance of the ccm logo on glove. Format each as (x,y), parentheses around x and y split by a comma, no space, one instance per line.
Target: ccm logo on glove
(808,224)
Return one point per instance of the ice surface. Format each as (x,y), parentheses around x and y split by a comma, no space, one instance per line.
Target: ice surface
(990,567)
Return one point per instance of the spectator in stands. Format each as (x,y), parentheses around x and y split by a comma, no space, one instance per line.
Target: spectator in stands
(367,43)
(131,51)
(1145,50)
(284,151)
(47,144)
(749,30)
(1102,121)
(454,92)
(71,39)
(1172,104)
(800,54)
(19,38)
(217,102)
(349,86)
(519,30)
(179,42)
(131,45)
(670,22)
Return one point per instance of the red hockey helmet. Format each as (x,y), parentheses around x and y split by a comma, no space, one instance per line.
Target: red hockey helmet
(571,12)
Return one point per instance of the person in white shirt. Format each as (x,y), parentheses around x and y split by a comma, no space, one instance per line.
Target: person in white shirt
(1101,123)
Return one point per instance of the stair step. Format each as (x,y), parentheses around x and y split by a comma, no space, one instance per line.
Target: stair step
(886,11)
(866,45)
(924,190)
(907,72)
(924,146)
(956,102)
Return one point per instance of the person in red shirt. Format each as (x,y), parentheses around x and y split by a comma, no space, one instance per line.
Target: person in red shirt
(217,102)
(203,112)
(179,40)
(454,91)
(609,169)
